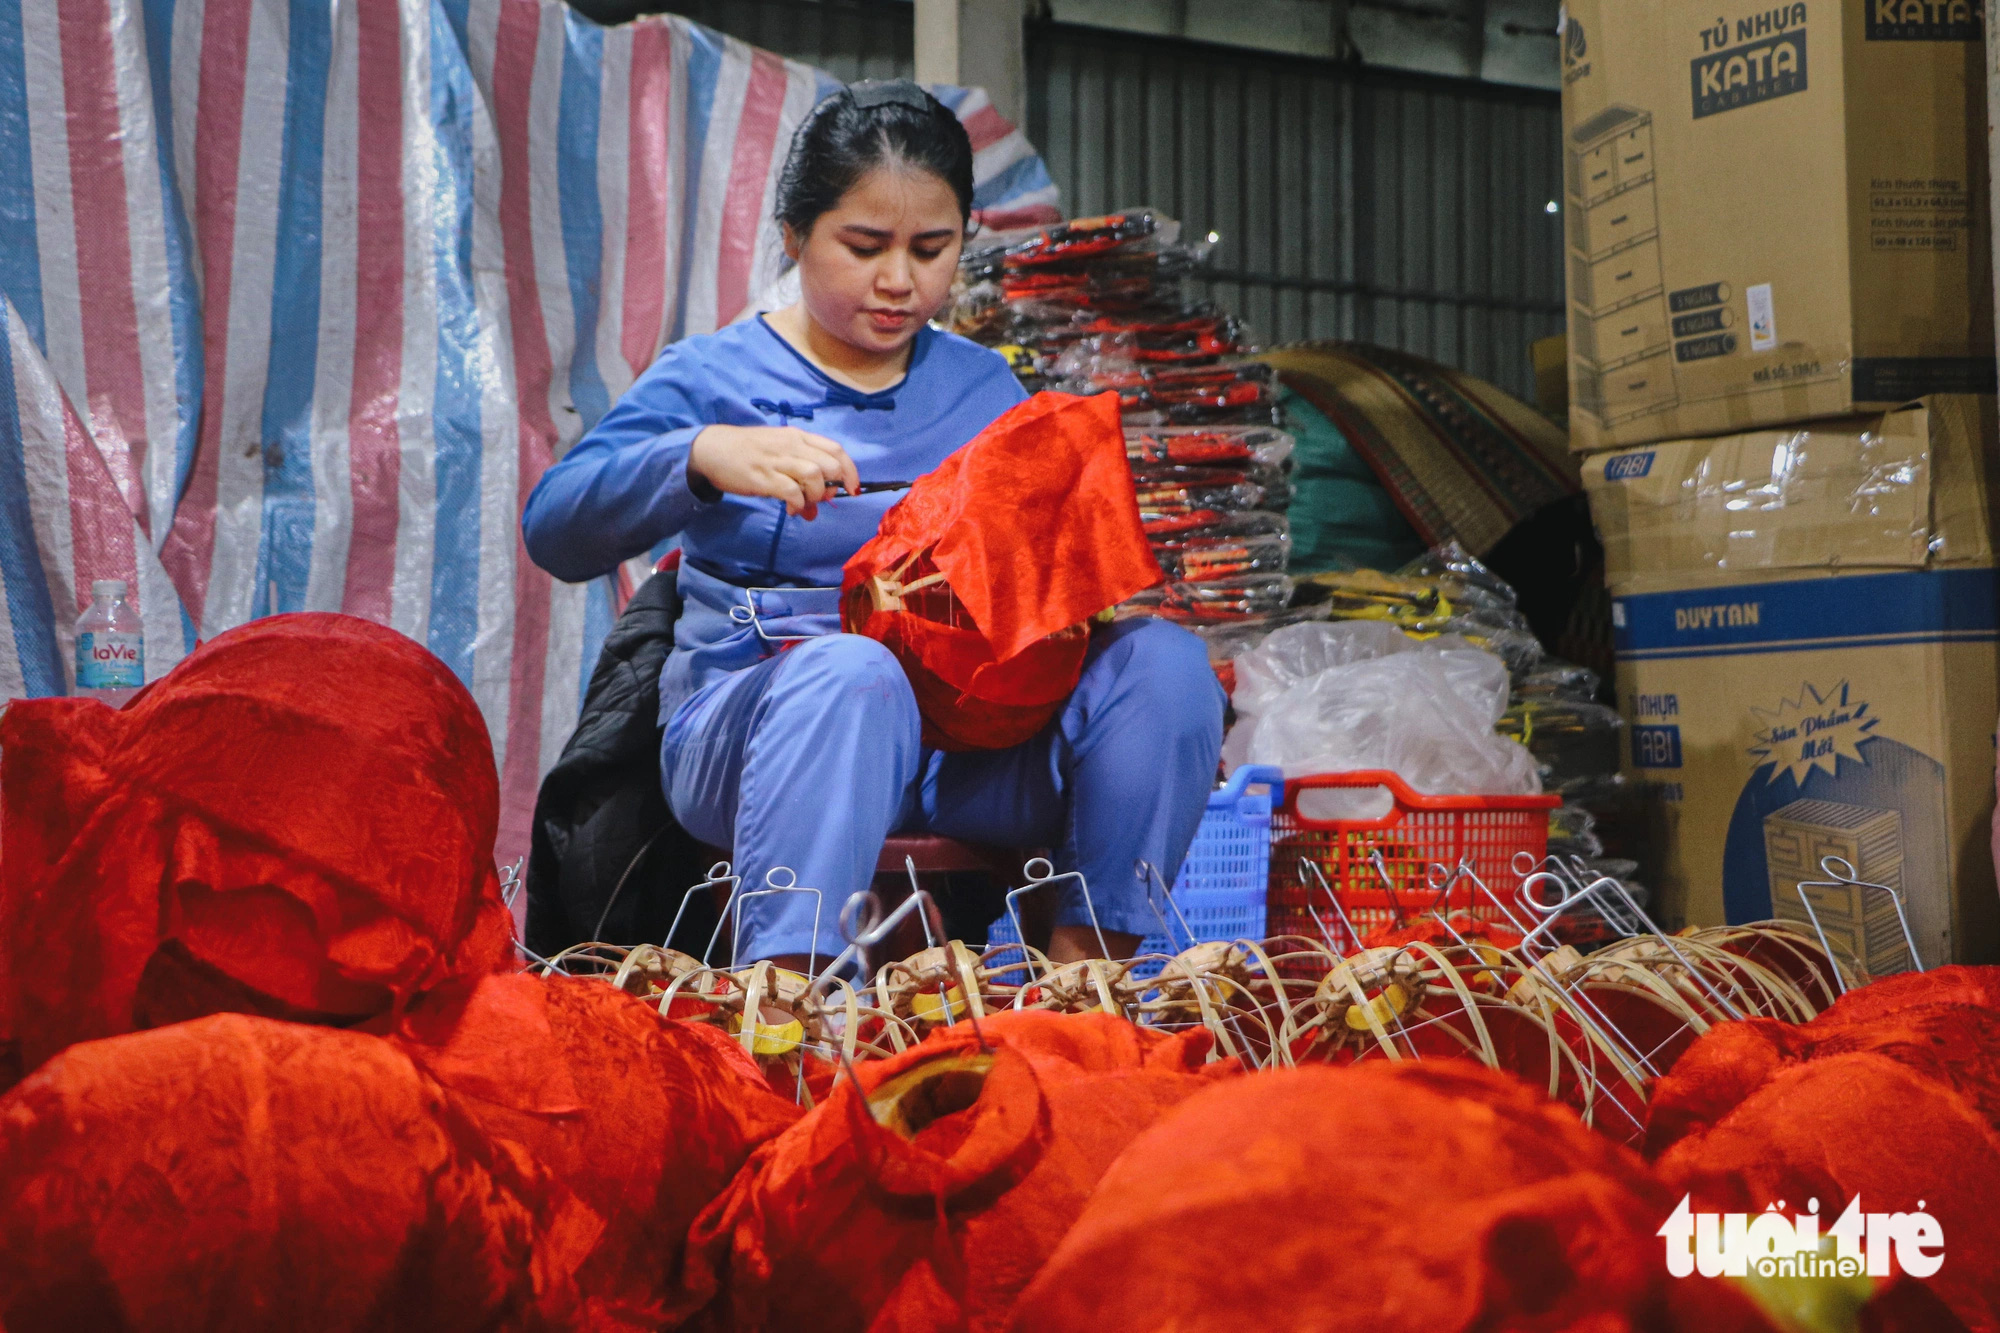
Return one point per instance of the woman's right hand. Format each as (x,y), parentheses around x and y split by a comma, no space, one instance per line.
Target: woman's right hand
(781,462)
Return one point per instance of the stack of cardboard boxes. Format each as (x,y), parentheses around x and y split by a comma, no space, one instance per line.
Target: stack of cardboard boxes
(1781,370)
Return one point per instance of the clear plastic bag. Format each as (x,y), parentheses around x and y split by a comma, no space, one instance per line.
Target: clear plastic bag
(1556,679)
(1573,832)
(1569,740)
(1461,578)
(1425,712)
(1100,361)
(1290,656)
(1229,640)
(1502,632)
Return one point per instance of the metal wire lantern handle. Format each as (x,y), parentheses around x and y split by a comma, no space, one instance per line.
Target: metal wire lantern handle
(863,937)
(1046,875)
(719,873)
(1148,875)
(1845,877)
(734,910)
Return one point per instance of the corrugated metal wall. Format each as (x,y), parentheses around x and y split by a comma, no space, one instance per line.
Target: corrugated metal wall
(1352,202)
(1401,209)
(853,39)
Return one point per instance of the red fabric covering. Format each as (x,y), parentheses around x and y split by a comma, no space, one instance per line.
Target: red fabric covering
(1714,1076)
(238,1173)
(1439,1196)
(1892,1094)
(845,1223)
(1864,1124)
(1976,986)
(1951,1044)
(644,1119)
(1944,1025)
(1035,528)
(298,821)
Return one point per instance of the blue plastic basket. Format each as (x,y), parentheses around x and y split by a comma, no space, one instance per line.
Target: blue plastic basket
(1220,890)
(1003,932)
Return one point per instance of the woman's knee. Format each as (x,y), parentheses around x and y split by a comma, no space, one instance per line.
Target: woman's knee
(850,671)
(1163,670)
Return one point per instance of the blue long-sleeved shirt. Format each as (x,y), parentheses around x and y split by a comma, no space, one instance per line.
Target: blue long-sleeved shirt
(625,487)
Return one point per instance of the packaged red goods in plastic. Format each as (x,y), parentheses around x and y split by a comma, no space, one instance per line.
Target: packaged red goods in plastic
(1200,504)
(297,821)
(1437,1196)
(927,1197)
(1174,337)
(239,1173)
(1149,475)
(1118,283)
(644,1119)
(1165,523)
(1091,238)
(1215,446)
(981,579)
(1219,555)
(1219,526)
(1193,395)
(1242,598)
(1164,490)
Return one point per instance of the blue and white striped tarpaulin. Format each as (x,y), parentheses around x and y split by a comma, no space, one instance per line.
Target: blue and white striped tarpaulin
(301,297)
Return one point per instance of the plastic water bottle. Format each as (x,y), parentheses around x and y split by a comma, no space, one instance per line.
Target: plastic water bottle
(110,646)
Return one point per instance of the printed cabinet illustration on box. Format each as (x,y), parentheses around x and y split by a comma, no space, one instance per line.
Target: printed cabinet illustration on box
(1620,332)
(1856,918)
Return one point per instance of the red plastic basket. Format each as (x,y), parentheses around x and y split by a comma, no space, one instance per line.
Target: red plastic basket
(1421,831)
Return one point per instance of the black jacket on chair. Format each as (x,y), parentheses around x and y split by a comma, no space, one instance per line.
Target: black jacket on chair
(609,862)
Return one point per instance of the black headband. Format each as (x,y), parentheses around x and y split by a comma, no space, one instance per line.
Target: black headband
(871,93)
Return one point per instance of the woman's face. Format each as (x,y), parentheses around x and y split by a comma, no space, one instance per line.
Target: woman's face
(879,263)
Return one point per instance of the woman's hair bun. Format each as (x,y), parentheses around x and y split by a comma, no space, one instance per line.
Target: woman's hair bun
(861,127)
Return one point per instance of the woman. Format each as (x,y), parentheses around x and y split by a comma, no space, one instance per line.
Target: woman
(790,743)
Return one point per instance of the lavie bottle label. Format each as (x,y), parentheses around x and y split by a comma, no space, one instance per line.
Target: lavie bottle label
(106,660)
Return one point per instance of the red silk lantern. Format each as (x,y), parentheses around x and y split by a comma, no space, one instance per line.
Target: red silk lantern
(298,821)
(1435,1195)
(983,578)
(238,1173)
(928,1193)
(643,1118)
(1867,1100)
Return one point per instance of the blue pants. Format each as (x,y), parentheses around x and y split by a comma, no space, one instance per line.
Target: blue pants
(810,759)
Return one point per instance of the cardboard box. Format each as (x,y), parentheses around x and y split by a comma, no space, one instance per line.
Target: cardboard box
(1808,633)
(1774,213)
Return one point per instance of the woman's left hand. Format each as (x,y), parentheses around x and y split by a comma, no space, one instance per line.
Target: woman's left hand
(781,462)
